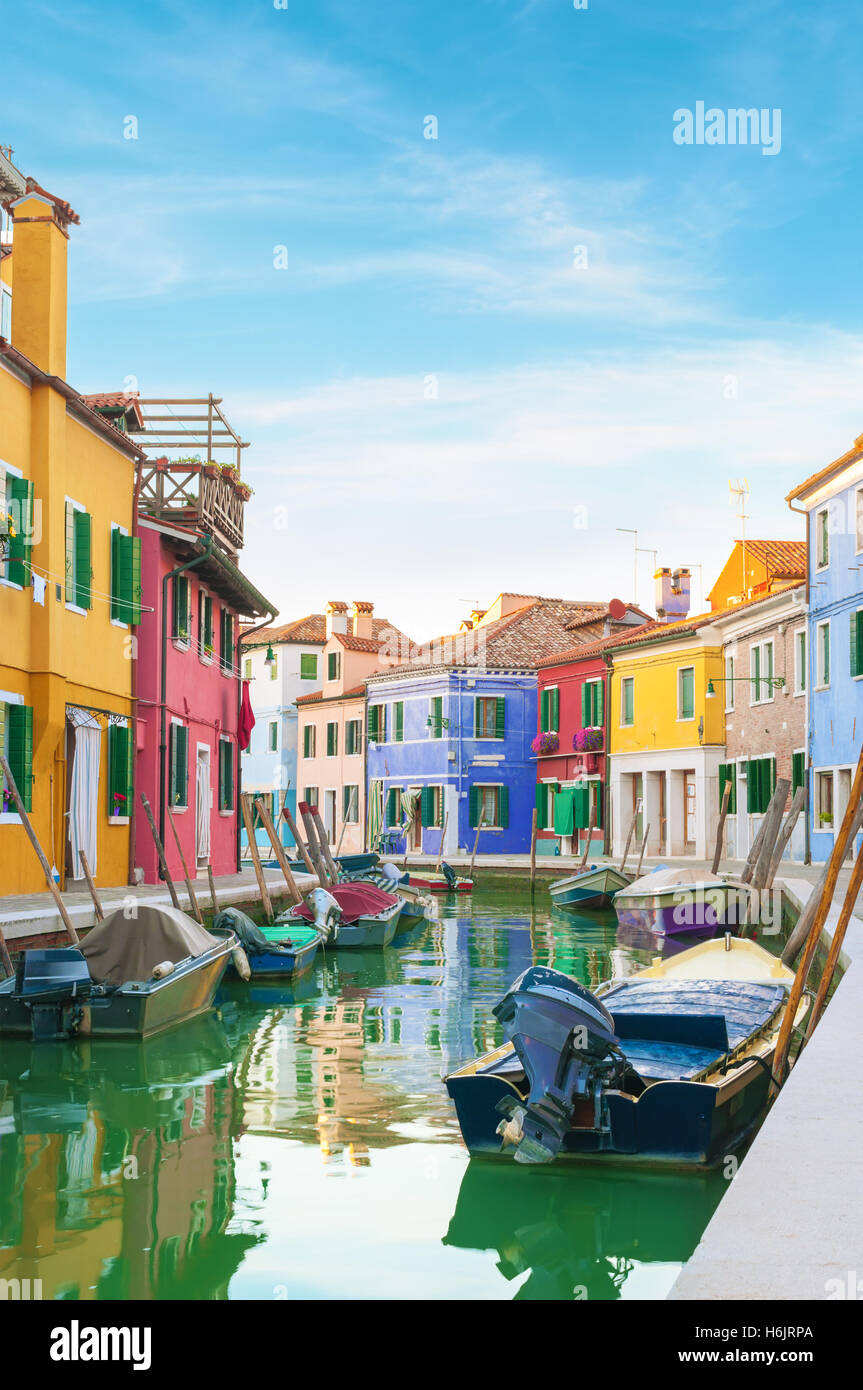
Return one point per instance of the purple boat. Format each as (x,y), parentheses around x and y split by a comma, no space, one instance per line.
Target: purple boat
(681,902)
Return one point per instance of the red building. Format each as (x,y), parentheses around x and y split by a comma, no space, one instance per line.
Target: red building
(571,746)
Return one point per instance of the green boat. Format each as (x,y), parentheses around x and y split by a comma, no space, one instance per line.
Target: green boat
(593,887)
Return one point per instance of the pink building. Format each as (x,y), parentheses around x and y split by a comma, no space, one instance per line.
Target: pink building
(187,674)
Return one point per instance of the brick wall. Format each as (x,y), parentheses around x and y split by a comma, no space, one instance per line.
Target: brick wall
(776,726)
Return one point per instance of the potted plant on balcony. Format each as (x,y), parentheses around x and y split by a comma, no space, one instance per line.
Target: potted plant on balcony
(545,743)
(588,742)
(211,469)
(229,473)
(243,490)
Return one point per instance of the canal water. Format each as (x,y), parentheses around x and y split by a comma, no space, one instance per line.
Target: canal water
(301,1144)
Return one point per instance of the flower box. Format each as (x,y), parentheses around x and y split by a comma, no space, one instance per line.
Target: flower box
(545,743)
(588,741)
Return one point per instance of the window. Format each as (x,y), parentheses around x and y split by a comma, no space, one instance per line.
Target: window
(125,576)
(798,771)
(179,765)
(226,775)
(394,807)
(247,669)
(729,684)
(728,774)
(274,735)
(5,312)
(761,673)
(627,701)
(274,667)
(824,800)
(308,666)
(549,710)
(351,805)
(180,609)
(435,718)
(205,624)
(593,704)
(489,720)
(78,557)
(377,724)
(686,692)
(431,806)
(332,740)
(760,784)
(857,643)
(489,805)
(226,640)
(859,520)
(399,721)
(308,741)
(310,796)
(334,665)
(800,661)
(16,514)
(16,740)
(822,539)
(119,772)
(822,649)
(353,737)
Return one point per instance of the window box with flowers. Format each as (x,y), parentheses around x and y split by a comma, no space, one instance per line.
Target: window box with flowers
(588,741)
(243,490)
(545,744)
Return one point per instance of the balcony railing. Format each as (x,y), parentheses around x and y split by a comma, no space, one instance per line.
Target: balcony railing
(195,494)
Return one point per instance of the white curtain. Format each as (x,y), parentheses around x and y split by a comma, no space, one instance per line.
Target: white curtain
(203,809)
(84,794)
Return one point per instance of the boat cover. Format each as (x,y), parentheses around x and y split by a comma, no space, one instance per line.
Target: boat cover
(125,947)
(356,900)
(667,880)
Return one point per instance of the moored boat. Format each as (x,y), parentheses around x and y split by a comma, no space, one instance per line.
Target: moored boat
(274,950)
(591,887)
(362,915)
(132,975)
(417,906)
(446,881)
(670,1066)
(675,902)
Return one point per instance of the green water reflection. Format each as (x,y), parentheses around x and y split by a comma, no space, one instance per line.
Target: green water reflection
(300,1144)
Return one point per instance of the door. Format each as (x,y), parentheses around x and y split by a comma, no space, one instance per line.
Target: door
(416,827)
(689,785)
(330,815)
(637,805)
(203,806)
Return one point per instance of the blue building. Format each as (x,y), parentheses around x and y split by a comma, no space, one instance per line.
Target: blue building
(449,733)
(833,661)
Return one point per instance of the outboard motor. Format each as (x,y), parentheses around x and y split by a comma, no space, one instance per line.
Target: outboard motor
(449,874)
(53,984)
(327,913)
(565,1040)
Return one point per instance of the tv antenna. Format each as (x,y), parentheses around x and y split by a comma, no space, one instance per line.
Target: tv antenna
(739,492)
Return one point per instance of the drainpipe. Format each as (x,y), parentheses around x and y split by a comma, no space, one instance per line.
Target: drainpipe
(807,843)
(163,693)
(248,632)
(606,707)
(133,721)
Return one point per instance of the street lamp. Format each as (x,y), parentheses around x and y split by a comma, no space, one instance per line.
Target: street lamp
(270,658)
(772,683)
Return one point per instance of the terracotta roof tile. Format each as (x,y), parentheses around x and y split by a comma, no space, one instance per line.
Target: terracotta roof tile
(312,630)
(318,697)
(783,559)
(115,400)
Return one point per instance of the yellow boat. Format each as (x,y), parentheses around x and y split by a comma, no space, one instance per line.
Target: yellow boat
(670,1066)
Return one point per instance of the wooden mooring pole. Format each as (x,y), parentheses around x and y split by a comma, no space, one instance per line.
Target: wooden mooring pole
(533,853)
(160,850)
(31,836)
(248,822)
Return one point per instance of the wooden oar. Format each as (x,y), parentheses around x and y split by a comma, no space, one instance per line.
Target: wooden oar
(31,836)
(97,906)
(279,851)
(298,840)
(256,858)
(720,829)
(319,867)
(851,894)
(442,842)
(591,826)
(840,845)
(160,850)
(189,889)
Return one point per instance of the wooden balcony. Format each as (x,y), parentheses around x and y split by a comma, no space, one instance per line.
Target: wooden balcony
(195,495)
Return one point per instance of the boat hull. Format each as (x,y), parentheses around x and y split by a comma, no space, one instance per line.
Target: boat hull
(592,888)
(678,913)
(278,965)
(440,885)
(138,1009)
(368,933)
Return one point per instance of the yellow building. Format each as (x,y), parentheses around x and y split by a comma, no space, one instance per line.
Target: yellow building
(756,569)
(666,739)
(70,573)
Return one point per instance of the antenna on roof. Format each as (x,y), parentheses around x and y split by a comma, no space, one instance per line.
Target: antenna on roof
(740,491)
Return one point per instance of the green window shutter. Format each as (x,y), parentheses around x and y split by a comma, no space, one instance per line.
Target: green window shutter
(687,694)
(474,801)
(543,711)
(332,740)
(599,719)
(503,804)
(585,705)
(542,805)
(83,551)
(117,613)
(382,723)
(399,721)
(500,717)
(477,718)
(555,711)
(346,802)
(226,638)
(752,786)
(20,501)
(600,798)
(125,577)
(118,769)
(581,807)
(179,764)
(372,723)
(308,666)
(20,745)
(394,806)
(180,608)
(728,773)
(857,644)
(427,816)
(798,771)
(564,809)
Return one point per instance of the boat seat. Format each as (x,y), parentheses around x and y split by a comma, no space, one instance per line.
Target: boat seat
(693,1030)
(745,1006)
(665,1061)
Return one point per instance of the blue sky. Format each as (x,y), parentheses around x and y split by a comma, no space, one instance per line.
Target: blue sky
(715,331)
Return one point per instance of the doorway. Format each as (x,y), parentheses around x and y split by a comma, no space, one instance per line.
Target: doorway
(690,811)
(330,814)
(415,832)
(203,806)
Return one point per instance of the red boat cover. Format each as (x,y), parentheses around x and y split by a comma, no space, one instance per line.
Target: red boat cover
(356,900)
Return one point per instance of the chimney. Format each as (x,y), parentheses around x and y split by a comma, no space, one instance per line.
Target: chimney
(39,236)
(361,618)
(337,617)
(672,594)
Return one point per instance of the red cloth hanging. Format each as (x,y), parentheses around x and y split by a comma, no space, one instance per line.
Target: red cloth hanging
(246,722)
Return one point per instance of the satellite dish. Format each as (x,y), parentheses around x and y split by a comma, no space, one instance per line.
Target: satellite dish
(617,610)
